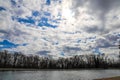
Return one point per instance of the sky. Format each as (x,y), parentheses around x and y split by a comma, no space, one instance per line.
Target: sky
(60,27)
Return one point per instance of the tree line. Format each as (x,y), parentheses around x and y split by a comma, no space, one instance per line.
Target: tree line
(19,60)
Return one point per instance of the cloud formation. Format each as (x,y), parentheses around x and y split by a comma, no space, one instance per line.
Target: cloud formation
(98,10)
(60,27)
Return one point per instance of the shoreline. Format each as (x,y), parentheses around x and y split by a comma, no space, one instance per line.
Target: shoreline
(110,78)
(32,69)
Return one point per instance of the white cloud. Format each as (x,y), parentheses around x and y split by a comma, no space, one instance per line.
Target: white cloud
(77,22)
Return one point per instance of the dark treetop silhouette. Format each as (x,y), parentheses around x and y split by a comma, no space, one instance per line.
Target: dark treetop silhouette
(19,60)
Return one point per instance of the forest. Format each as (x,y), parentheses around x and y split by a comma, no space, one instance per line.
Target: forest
(19,60)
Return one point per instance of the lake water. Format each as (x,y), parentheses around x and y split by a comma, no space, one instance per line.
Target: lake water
(58,75)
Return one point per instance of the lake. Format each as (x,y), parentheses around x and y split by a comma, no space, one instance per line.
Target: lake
(58,74)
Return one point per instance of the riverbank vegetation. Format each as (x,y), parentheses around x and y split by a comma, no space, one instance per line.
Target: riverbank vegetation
(111,78)
(19,60)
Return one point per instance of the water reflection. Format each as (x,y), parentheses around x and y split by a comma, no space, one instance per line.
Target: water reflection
(58,75)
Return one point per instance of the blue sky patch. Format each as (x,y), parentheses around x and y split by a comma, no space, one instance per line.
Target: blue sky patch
(44,22)
(25,44)
(62,53)
(2,8)
(78,41)
(8,44)
(13,2)
(35,13)
(26,20)
(48,2)
(44,52)
(58,1)
(97,51)
(45,39)
(55,21)
(47,14)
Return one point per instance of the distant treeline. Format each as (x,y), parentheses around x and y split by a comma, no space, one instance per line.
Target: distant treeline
(19,60)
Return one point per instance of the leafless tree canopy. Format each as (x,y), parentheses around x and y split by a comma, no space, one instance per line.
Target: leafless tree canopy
(19,60)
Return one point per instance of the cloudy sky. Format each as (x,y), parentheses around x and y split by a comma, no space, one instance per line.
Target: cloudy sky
(60,27)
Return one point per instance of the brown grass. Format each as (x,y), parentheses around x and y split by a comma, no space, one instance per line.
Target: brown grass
(112,78)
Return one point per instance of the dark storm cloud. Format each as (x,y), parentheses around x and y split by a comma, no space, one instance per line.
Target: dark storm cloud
(103,6)
(103,43)
(8,33)
(97,5)
(94,29)
(44,52)
(68,49)
(3,31)
(108,41)
(113,38)
(78,3)
(98,8)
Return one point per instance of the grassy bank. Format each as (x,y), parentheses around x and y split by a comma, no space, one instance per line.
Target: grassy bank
(111,78)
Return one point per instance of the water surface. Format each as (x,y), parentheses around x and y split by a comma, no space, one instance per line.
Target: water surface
(58,75)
